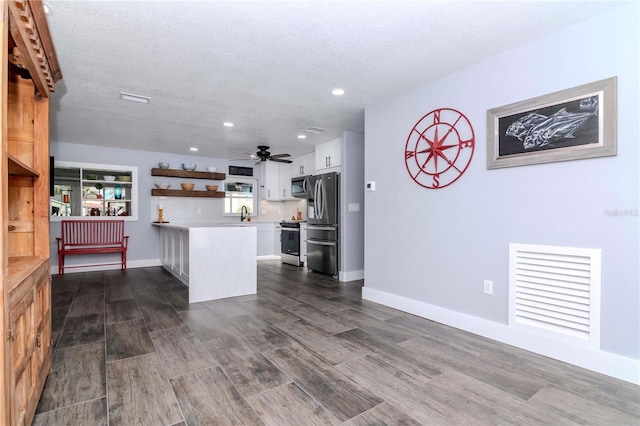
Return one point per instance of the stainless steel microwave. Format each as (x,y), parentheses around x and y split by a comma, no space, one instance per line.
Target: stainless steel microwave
(299,186)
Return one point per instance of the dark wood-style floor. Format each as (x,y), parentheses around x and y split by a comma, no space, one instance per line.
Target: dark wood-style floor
(306,350)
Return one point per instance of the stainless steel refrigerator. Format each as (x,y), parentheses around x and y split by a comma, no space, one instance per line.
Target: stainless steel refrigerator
(322,223)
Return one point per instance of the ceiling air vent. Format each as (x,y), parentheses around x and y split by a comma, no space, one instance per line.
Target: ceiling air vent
(316,130)
(134,98)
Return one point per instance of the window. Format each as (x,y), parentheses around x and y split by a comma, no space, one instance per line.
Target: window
(96,190)
(240,192)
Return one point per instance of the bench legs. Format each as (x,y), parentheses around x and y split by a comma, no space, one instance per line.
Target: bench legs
(60,264)
(123,262)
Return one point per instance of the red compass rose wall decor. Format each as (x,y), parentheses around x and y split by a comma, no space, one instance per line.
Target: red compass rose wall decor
(439,148)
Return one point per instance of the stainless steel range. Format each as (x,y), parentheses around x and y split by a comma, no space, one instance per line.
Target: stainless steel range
(290,243)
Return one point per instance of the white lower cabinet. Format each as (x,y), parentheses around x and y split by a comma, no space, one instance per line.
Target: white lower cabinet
(265,239)
(174,252)
(277,241)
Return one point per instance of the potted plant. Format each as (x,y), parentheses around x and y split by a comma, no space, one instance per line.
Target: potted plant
(99,187)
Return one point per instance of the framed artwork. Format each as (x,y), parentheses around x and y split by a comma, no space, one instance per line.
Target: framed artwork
(571,124)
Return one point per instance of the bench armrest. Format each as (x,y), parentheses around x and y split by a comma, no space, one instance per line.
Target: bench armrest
(126,241)
(59,240)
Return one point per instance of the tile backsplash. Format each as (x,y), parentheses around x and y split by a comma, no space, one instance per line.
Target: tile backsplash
(190,210)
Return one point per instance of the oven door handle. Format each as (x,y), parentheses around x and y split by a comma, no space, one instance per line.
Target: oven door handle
(321,228)
(321,243)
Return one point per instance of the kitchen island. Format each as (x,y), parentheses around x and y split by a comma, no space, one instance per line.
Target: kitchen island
(214,260)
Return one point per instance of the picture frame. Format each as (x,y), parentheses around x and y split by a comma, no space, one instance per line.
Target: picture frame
(571,124)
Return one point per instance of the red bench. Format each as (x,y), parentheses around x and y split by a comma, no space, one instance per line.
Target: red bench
(92,237)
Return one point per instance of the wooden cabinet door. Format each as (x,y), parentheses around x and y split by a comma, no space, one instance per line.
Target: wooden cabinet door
(30,343)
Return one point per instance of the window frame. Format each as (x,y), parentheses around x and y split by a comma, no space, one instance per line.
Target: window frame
(97,167)
(229,195)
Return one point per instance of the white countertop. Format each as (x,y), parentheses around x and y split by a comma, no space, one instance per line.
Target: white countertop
(206,225)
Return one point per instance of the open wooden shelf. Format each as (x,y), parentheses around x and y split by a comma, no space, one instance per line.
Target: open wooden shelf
(18,168)
(181,193)
(187,174)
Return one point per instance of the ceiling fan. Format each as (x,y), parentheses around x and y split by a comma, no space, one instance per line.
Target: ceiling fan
(263,154)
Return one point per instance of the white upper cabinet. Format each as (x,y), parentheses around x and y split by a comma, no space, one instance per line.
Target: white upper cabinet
(304,165)
(270,175)
(285,175)
(276,181)
(328,155)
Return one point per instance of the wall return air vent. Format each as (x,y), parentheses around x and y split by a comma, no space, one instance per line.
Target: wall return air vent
(555,292)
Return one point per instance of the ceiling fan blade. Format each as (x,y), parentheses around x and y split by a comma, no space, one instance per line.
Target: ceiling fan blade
(280,156)
(278,160)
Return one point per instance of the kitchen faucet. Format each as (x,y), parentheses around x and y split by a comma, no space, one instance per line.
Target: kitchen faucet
(243,213)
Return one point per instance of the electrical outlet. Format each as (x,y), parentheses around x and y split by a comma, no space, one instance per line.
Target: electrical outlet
(488,287)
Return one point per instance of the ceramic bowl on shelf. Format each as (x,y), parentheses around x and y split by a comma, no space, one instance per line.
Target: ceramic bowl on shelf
(212,187)
(187,186)
(188,166)
(109,178)
(164,165)
(162,185)
(211,169)
(90,176)
(124,178)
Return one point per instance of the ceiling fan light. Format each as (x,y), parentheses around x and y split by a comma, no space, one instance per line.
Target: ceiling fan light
(302,136)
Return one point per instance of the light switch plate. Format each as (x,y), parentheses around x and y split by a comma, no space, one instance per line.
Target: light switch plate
(354,207)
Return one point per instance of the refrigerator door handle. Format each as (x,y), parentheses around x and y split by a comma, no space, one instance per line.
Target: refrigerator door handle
(316,200)
(321,198)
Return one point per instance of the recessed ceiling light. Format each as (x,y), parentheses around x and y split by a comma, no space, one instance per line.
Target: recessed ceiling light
(193,148)
(302,136)
(134,98)
(227,124)
(337,92)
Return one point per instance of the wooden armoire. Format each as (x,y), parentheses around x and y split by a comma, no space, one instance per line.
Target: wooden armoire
(29,73)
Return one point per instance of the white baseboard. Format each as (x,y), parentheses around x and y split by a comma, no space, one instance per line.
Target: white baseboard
(268,257)
(351,275)
(613,365)
(144,263)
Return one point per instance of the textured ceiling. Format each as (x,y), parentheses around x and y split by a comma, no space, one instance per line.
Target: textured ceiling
(266,66)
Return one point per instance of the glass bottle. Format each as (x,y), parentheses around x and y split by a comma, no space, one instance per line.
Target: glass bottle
(117,191)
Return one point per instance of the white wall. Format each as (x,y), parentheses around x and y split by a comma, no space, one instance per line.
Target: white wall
(351,192)
(433,248)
